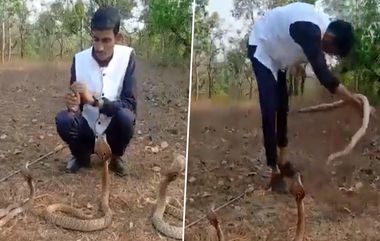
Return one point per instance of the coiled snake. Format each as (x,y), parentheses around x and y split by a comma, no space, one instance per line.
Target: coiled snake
(82,221)
(14,209)
(165,228)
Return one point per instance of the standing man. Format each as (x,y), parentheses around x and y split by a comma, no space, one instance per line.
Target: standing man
(102,97)
(287,36)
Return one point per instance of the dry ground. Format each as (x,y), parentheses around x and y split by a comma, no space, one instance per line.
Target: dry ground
(226,157)
(31,97)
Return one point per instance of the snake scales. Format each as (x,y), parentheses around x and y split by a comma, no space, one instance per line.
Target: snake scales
(165,228)
(81,221)
(14,209)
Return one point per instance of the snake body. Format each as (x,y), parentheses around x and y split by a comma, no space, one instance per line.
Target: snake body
(354,140)
(14,209)
(213,219)
(359,133)
(165,228)
(300,230)
(81,221)
(299,196)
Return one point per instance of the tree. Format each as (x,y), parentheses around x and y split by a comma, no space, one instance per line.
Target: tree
(171,22)
(206,37)
(22,14)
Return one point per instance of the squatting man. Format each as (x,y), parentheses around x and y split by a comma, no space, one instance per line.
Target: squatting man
(102,98)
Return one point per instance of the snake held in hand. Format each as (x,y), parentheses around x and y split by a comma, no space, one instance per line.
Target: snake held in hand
(359,133)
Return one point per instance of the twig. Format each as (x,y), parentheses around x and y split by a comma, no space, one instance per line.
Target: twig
(222,206)
(56,149)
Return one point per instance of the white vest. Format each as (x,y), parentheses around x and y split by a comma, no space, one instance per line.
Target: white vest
(102,81)
(276,49)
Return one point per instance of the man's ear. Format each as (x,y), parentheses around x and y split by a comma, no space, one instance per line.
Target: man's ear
(119,38)
(328,36)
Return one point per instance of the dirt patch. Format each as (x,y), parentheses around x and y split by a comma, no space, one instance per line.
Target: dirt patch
(30,99)
(226,157)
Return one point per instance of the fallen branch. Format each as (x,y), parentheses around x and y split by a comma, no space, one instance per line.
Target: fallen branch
(249,190)
(56,149)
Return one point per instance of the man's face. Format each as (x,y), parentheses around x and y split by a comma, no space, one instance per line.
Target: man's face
(103,42)
(327,44)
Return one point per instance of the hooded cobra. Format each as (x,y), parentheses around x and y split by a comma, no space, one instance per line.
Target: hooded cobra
(176,168)
(82,221)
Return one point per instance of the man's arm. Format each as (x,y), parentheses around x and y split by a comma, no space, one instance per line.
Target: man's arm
(73,74)
(128,94)
(72,99)
(308,36)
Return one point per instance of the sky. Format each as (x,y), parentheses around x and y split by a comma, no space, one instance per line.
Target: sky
(224,11)
(227,23)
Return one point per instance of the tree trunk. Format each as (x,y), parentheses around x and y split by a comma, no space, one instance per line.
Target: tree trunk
(22,43)
(197,83)
(240,93)
(250,88)
(9,42)
(163,48)
(61,48)
(210,84)
(291,85)
(130,40)
(356,85)
(3,42)
(81,34)
(209,73)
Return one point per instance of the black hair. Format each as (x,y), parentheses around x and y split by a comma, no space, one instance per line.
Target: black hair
(344,37)
(106,18)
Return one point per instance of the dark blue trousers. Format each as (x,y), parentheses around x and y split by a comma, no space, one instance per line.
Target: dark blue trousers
(75,131)
(274,105)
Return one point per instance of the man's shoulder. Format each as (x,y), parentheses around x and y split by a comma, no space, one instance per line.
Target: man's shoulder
(123,48)
(83,52)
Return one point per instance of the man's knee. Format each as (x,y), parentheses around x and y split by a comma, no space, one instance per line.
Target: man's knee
(125,120)
(63,120)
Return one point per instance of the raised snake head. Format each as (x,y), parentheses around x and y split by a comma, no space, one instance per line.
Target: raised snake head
(212,218)
(102,149)
(176,168)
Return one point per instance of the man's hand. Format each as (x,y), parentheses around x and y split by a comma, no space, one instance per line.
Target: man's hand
(72,100)
(347,96)
(85,95)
